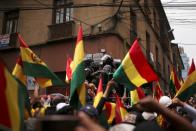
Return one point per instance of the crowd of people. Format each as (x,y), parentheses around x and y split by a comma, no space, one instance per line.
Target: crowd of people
(53,112)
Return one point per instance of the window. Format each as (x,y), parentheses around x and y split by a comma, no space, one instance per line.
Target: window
(10,22)
(164,73)
(157,54)
(157,59)
(133,32)
(134,22)
(168,72)
(61,13)
(146,7)
(148,46)
(155,18)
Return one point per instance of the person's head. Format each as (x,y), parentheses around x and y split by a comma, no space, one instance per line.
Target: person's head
(165,101)
(36,104)
(90,111)
(122,127)
(148,126)
(190,101)
(56,100)
(65,109)
(133,118)
(92,86)
(149,116)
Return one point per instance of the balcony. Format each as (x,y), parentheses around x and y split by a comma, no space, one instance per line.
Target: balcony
(61,30)
(8,41)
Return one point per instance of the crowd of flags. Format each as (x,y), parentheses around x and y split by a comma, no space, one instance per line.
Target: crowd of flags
(133,72)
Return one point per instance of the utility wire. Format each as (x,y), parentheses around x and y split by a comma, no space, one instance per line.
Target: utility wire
(92,5)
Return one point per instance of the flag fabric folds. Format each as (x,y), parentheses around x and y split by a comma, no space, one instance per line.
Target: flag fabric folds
(11,102)
(157,92)
(174,84)
(69,66)
(136,95)
(192,68)
(181,82)
(99,93)
(22,80)
(134,70)
(77,90)
(120,111)
(35,67)
(110,111)
(188,88)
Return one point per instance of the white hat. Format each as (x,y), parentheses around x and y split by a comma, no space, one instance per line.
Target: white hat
(165,101)
(60,106)
(149,116)
(122,127)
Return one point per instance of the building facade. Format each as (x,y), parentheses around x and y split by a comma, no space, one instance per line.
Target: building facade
(177,60)
(185,60)
(50,27)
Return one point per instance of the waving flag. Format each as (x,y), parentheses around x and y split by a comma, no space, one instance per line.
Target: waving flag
(35,67)
(77,90)
(110,110)
(99,93)
(157,92)
(136,95)
(134,70)
(192,68)
(120,110)
(11,102)
(174,84)
(22,80)
(188,88)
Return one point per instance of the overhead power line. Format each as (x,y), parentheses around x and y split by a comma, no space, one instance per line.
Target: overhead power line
(23,7)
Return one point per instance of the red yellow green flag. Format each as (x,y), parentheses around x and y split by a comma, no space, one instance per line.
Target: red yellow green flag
(99,94)
(134,70)
(181,82)
(188,88)
(192,68)
(35,67)
(77,90)
(110,111)
(136,95)
(22,80)
(157,92)
(11,102)
(69,67)
(174,84)
(120,111)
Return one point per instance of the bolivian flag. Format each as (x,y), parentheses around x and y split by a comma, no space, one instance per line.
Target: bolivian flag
(11,102)
(157,92)
(134,70)
(136,95)
(174,84)
(110,110)
(35,67)
(77,90)
(121,112)
(99,93)
(192,68)
(22,80)
(188,88)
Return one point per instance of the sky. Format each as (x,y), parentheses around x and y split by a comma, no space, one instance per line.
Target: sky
(183,21)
